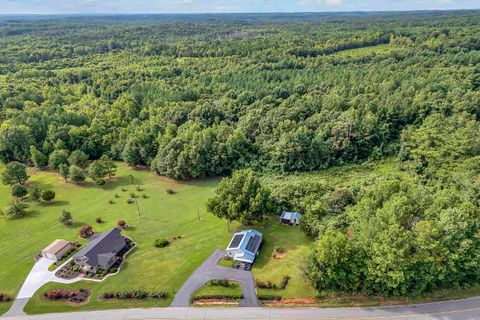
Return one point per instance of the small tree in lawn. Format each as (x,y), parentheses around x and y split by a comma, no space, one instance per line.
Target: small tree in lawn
(58,157)
(36,194)
(15,172)
(240,197)
(76,174)
(64,171)
(19,191)
(66,218)
(109,165)
(16,209)
(97,171)
(48,195)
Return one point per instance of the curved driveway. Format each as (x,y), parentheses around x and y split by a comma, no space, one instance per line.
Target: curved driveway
(210,270)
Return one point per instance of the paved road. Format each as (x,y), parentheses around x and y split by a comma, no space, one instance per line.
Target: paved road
(210,270)
(468,309)
(38,276)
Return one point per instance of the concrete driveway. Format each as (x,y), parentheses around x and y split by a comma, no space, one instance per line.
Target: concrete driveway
(210,270)
(38,276)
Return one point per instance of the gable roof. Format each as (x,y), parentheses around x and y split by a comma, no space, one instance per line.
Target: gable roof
(102,245)
(288,215)
(247,242)
(56,246)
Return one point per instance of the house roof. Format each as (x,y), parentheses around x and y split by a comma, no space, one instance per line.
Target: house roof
(288,215)
(102,245)
(247,243)
(56,246)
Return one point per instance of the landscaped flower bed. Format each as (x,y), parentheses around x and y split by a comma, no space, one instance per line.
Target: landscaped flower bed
(75,296)
(134,294)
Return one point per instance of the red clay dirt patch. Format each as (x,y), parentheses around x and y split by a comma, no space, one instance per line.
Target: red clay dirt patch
(280,255)
(294,301)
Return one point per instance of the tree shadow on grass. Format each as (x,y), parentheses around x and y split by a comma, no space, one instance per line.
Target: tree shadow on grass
(58,203)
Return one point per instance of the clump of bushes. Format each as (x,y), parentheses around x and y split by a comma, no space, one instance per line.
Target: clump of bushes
(160,243)
(86,231)
(70,295)
(66,218)
(170,191)
(134,294)
(269,297)
(265,284)
(48,195)
(284,282)
(224,297)
(222,283)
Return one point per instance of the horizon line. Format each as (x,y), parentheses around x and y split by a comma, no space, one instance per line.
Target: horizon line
(233,12)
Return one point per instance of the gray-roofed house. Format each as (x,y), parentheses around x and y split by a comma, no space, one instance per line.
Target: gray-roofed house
(292,218)
(244,248)
(101,251)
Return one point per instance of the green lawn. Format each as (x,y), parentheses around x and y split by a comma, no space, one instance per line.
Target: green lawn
(149,268)
(267,268)
(208,290)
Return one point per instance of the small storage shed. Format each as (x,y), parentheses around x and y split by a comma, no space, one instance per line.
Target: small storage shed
(57,249)
(292,218)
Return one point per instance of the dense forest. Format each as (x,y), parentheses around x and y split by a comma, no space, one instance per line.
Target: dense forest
(205,95)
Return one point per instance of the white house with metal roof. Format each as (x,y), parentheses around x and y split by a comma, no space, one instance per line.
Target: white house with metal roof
(244,248)
(292,218)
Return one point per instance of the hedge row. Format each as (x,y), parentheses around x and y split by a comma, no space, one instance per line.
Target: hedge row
(228,297)
(269,297)
(134,294)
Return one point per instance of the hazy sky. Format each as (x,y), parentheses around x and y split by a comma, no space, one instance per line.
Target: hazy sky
(196,6)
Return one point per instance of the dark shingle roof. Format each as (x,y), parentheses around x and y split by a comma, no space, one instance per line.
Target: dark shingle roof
(102,244)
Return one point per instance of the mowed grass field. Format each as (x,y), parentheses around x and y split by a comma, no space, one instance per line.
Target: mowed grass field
(163,215)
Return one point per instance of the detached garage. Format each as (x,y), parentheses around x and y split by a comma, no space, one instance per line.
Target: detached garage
(57,249)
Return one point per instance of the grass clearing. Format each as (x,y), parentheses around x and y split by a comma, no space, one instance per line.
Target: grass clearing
(163,216)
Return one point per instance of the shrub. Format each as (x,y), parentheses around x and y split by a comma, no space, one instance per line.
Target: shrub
(284,283)
(66,218)
(265,285)
(159,294)
(36,194)
(279,249)
(269,297)
(99,220)
(19,191)
(160,243)
(86,231)
(122,223)
(228,297)
(139,189)
(17,209)
(113,270)
(116,195)
(52,267)
(99,182)
(48,195)
(221,283)
(133,195)
(130,201)
(145,196)
(110,202)
(170,191)
(124,190)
